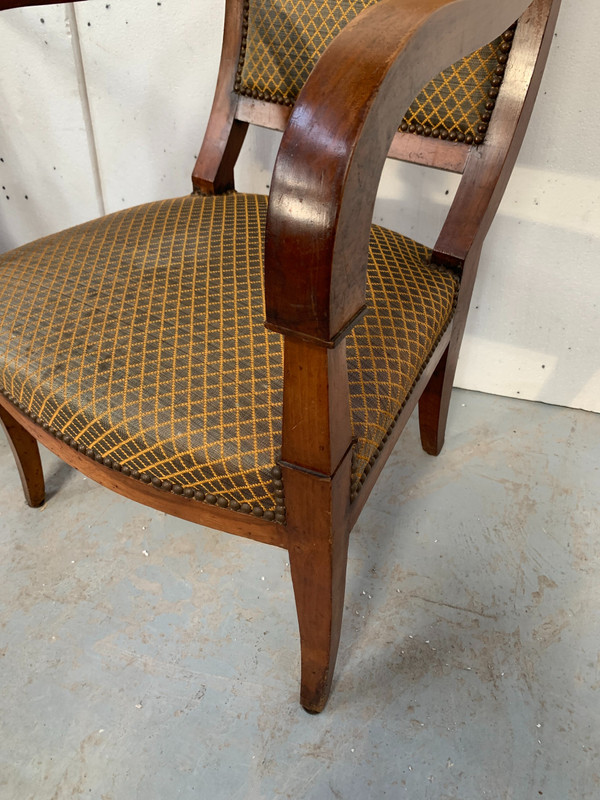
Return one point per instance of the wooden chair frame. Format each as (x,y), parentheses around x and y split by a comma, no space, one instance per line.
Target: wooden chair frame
(336,139)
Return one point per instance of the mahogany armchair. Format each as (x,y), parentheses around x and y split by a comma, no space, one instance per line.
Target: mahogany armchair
(135,346)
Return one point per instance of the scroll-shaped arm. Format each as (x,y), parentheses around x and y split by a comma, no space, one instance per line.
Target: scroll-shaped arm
(333,150)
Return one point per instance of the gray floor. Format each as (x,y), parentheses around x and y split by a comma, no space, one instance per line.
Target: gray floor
(143,657)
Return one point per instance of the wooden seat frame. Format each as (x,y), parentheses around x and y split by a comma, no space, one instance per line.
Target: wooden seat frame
(336,139)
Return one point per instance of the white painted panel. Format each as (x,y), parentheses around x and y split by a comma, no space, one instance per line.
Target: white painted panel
(538,292)
(151,69)
(535,325)
(45,172)
(254,168)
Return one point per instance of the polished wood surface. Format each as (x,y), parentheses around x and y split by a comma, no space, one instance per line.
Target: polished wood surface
(342,127)
(225,133)
(318,549)
(484,180)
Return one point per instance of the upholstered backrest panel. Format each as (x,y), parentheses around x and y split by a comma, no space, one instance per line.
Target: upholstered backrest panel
(283,40)
(458,103)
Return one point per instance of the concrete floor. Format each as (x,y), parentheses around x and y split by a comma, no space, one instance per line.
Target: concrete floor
(144,657)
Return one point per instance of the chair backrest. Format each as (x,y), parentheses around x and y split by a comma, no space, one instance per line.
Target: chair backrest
(269,50)
(334,245)
(282,40)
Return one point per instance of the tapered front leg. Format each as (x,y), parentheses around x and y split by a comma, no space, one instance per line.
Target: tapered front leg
(316,463)
(27,455)
(318,549)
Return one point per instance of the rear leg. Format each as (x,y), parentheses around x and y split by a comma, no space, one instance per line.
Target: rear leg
(435,402)
(27,455)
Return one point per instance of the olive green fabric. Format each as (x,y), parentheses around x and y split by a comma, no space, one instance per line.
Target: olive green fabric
(139,337)
(283,40)
(410,303)
(459,101)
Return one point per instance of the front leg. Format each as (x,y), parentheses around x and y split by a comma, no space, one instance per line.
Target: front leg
(318,551)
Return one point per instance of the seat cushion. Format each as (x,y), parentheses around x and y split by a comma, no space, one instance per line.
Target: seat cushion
(139,339)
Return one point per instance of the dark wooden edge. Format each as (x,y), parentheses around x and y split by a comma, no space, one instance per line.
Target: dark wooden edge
(436,153)
(489,166)
(27,458)
(225,134)
(334,147)
(219,518)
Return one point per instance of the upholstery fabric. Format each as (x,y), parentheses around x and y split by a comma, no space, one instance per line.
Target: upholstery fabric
(139,337)
(456,101)
(284,39)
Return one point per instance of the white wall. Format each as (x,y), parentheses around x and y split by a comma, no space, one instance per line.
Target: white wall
(45,172)
(103,105)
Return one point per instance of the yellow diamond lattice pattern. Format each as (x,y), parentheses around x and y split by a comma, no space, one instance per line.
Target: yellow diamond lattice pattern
(140,337)
(456,100)
(410,303)
(125,334)
(284,40)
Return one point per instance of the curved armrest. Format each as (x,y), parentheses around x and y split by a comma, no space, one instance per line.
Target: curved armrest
(333,150)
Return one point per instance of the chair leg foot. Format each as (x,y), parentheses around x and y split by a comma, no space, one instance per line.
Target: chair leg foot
(434,404)
(27,456)
(318,567)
